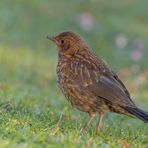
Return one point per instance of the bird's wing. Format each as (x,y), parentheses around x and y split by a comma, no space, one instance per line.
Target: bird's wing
(110,90)
(104,84)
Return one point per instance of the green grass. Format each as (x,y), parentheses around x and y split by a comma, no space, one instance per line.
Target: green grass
(33,112)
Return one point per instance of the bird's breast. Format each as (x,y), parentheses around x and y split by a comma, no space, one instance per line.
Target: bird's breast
(61,71)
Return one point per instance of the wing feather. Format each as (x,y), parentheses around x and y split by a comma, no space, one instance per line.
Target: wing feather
(93,76)
(104,83)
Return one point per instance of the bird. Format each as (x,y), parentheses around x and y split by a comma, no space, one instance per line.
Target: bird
(88,84)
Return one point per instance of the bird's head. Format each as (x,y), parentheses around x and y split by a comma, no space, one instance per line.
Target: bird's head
(68,43)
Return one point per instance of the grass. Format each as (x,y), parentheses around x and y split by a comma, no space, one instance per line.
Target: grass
(33,112)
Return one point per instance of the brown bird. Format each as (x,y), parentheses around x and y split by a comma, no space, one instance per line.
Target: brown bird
(87,83)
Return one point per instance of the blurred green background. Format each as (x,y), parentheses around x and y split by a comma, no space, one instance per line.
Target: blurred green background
(30,102)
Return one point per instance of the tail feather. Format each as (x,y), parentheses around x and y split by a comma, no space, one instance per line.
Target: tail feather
(139,113)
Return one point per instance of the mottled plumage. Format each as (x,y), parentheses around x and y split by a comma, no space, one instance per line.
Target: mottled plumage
(87,82)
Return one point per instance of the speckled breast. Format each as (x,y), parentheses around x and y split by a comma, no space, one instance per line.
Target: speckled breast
(72,91)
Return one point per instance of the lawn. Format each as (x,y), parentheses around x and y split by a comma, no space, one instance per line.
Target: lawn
(34,113)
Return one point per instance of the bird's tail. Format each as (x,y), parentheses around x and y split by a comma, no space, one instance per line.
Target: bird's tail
(139,113)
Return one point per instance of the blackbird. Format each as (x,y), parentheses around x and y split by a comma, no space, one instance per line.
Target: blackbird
(88,84)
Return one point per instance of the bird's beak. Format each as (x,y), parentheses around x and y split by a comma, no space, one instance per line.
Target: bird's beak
(52,38)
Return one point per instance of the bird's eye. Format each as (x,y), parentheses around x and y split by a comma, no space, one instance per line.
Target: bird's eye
(62,41)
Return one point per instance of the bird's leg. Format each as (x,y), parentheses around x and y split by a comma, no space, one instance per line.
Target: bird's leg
(99,121)
(91,117)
